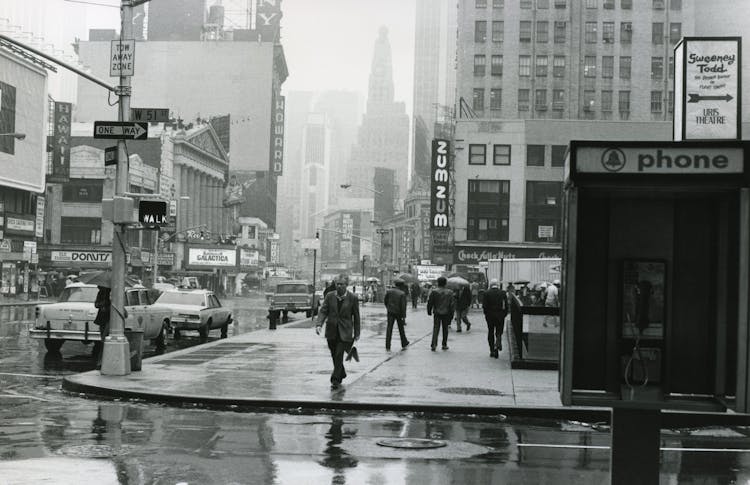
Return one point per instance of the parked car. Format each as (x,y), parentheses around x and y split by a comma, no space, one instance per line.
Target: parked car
(197,310)
(293,296)
(72,317)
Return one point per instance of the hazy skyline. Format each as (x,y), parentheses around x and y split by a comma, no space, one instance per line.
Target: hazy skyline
(328,44)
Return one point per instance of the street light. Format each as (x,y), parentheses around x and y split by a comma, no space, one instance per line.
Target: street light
(17,136)
(346,186)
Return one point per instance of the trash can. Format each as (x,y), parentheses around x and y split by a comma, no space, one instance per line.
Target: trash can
(135,341)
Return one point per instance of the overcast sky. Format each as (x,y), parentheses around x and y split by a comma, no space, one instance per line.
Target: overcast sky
(328,43)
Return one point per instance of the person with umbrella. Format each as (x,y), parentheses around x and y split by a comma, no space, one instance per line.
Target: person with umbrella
(395,304)
(495,307)
(441,302)
(340,309)
(463,302)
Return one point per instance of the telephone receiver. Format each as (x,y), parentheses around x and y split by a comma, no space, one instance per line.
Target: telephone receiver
(643,291)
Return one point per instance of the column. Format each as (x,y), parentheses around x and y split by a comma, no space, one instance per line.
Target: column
(181,204)
(217,205)
(194,198)
(205,201)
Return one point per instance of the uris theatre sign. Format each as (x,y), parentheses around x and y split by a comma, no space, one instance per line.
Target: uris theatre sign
(440,186)
(707,88)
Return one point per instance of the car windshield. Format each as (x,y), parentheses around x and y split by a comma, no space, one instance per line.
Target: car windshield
(179,298)
(295,288)
(77,293)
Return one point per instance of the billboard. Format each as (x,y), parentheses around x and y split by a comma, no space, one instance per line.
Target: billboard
(211,257)
(23,110)
(440,186)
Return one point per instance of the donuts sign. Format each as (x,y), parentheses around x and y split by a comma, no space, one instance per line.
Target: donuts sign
(440,186)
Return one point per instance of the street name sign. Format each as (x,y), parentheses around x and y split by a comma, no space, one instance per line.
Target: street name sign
(122,58)
(120,130)
(154,115)
(707,87)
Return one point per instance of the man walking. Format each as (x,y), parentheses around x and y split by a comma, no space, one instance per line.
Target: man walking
(341,310)
(441,302)
(415,290)
(395,304)
(495,306)
(463,302)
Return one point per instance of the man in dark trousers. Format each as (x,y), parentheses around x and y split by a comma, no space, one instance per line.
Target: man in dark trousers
(495,306)
(415,290)
(441,302)
(341,310)
(395,304)
(463,302)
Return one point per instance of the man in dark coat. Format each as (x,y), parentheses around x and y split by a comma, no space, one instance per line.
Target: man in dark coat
(395,304)
(495,306)
(463,302)
(415,291)
(441,302)
(103,304)
(341,311)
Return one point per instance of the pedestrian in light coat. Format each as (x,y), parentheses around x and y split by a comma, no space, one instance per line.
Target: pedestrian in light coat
(395,304)
(441,304)
(495,307)
(340,311)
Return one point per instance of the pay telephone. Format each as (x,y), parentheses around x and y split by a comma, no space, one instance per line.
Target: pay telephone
(642,337)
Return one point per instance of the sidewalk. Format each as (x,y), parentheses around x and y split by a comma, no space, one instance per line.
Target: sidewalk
(290,368)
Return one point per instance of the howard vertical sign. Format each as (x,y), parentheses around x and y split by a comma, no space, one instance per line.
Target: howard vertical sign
(707,89)
(440,187)
(277,136)
(61,144)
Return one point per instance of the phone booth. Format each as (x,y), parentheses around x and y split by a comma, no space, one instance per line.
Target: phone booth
(655,278)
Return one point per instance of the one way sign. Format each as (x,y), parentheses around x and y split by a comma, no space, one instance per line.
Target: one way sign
(120,130)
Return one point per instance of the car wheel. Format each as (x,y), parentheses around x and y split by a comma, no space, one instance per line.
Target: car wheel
(177,334)
(203,331)
(53,345)
(309,313)
(160,340)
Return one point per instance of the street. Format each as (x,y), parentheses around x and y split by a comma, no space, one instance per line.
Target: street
(50,433)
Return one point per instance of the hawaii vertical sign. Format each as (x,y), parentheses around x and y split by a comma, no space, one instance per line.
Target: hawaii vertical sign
(61,144)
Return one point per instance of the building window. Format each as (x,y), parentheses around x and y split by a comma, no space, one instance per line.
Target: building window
(479,65)
(525,31)
(498,3)
(543,211)
(624,101)
(608,32)
(657,68)
(544,4)
(478,99)
(81,230)
(558,155)
(610,4)
(658,4)
(561,3)
(608,66)
(480,31)
(498,30)
(82,190)
(625,62)
(558,99)
(656,101)
(496,99)
(670,68)
(626,32)
(675,5)
(590,32)
(591,3)
(542,31)
(657,33)
(501,155)
(523,99)
(558,66)
(497,65)
(524,66)
(560,32)
(480,3)
(589,66)
(541,66)
(540,99)
(477,154)
(589,100)
(526,4)
(626,4)
(606,100)
(670,101)
(675,32)
(535,155)
(488,206)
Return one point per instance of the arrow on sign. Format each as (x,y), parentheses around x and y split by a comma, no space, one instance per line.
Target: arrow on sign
(694,98)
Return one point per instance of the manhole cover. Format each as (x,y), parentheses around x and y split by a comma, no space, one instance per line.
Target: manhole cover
(412,443)
(475,391)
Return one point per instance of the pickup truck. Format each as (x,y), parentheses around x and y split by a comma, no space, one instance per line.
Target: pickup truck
(72,317)
(293,296)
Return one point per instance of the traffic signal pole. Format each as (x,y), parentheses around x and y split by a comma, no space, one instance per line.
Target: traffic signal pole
(116,350)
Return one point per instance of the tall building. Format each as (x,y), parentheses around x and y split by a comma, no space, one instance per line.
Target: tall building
(383,137)
(434,79)
(316,146)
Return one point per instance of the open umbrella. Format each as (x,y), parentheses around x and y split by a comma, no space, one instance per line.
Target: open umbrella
(103,278)
(372,279)
(456,282)
(408,278)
